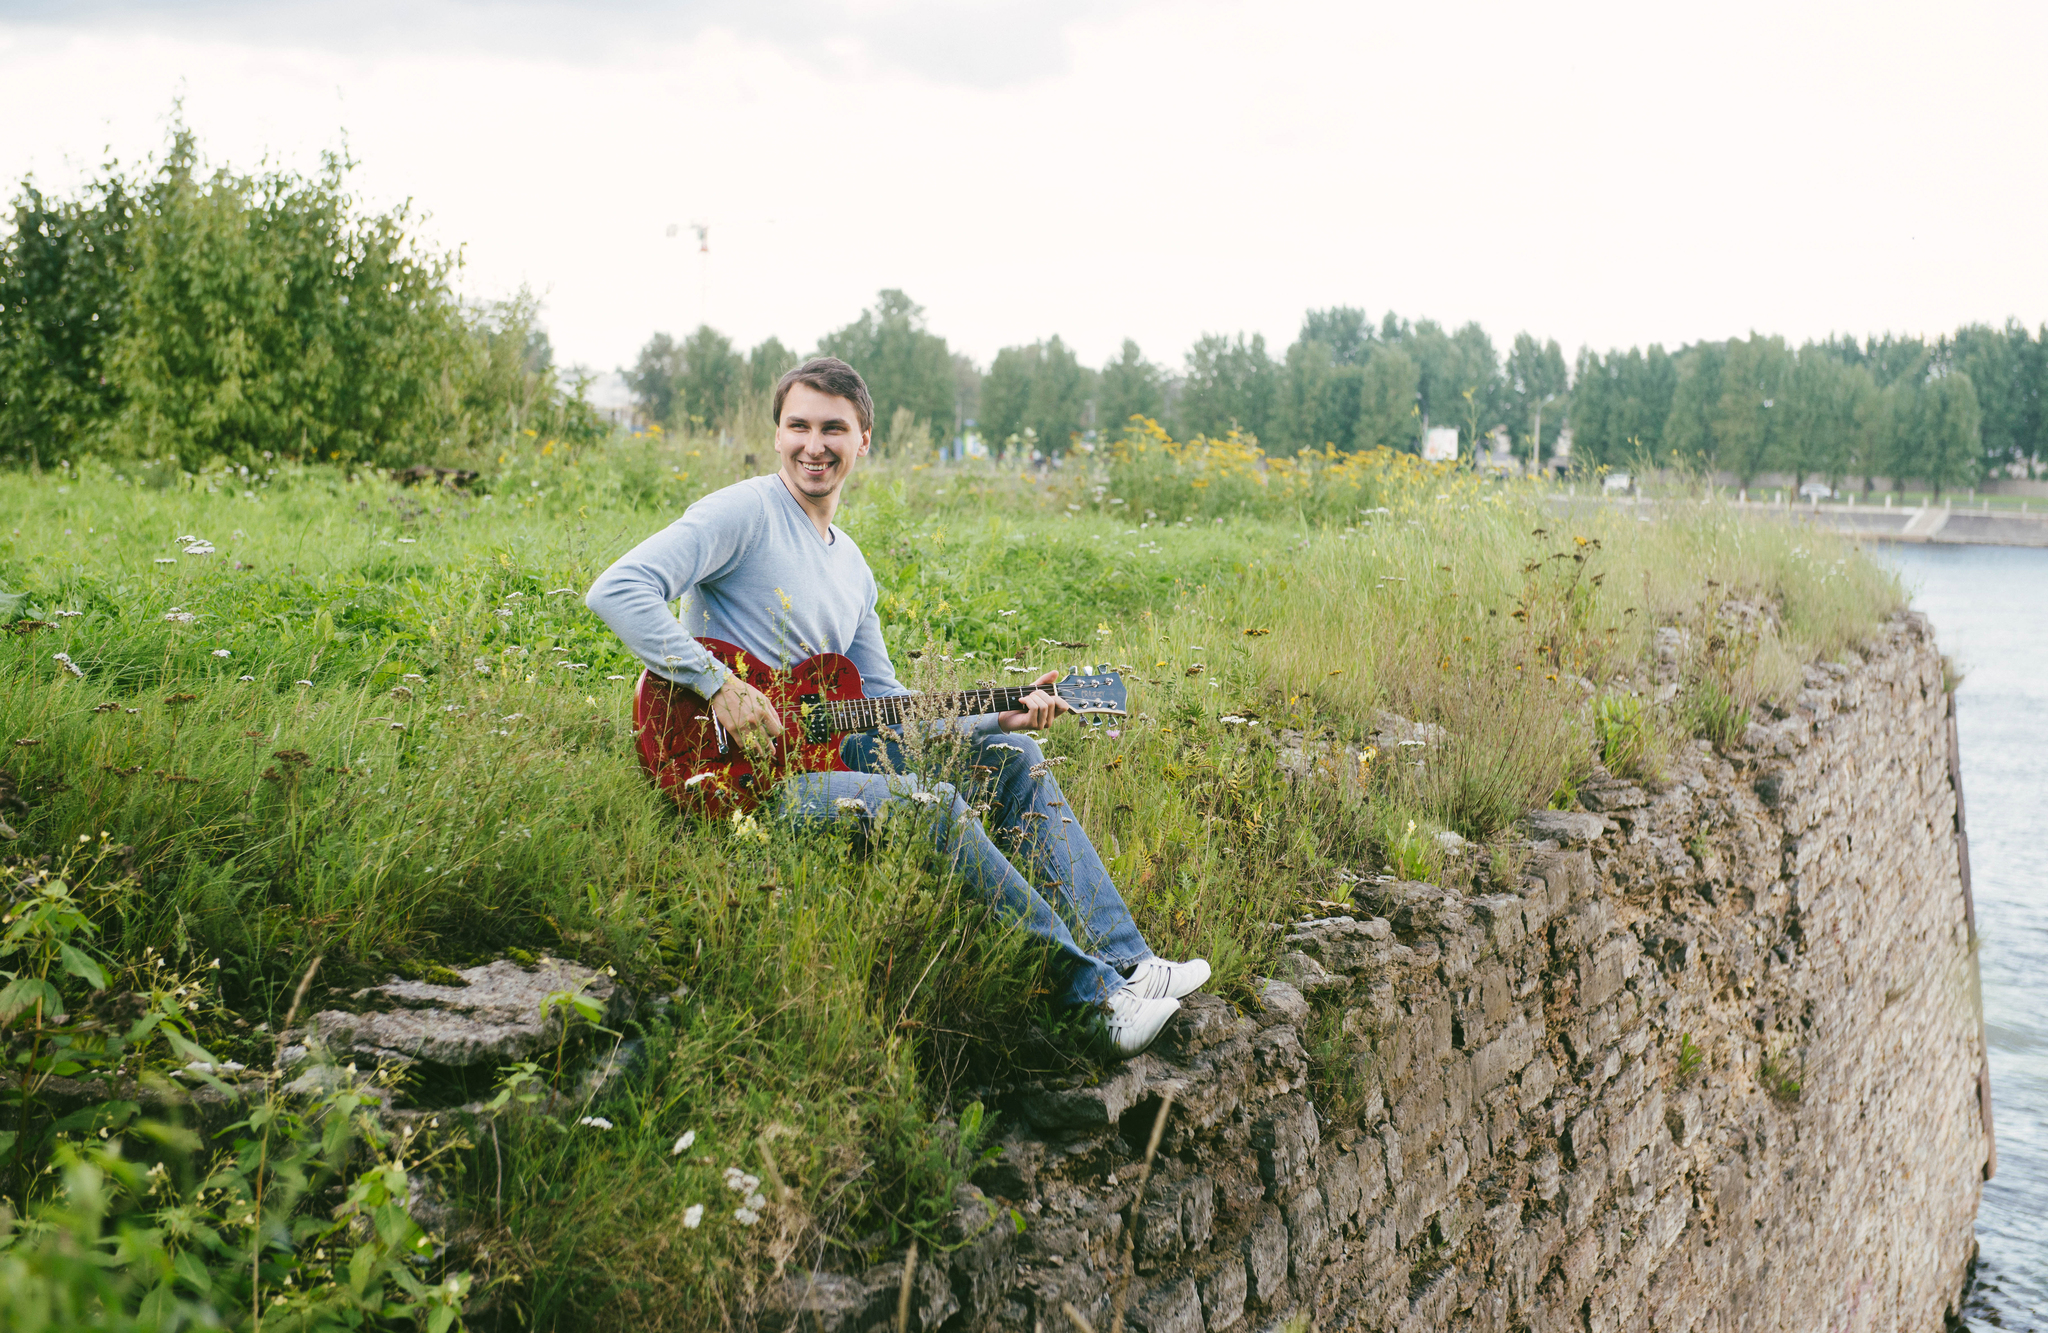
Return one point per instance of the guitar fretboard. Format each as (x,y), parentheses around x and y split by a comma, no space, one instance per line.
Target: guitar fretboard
(867,714)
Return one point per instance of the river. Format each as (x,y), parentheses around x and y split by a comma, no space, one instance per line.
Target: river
(1989,605)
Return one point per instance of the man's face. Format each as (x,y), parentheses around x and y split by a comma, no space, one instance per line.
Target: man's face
(819,437)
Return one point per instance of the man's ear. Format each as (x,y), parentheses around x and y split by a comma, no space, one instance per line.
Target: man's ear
(866,437)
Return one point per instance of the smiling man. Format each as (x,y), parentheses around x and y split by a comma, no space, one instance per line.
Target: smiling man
(760,564)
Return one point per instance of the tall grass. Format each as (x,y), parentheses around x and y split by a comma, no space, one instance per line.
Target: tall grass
(376,724)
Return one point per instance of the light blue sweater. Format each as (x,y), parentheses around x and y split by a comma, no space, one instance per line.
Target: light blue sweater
(749,568)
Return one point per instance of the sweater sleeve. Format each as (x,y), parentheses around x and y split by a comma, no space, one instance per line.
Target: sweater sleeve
(633,596)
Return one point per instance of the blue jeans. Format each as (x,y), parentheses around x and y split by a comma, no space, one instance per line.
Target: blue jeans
(1090,928)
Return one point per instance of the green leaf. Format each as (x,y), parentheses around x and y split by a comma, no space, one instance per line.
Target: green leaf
(193,1271)
(81,965)
(26,993)
(10,606)
(440,1319)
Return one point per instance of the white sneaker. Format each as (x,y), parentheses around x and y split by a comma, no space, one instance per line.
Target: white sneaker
(1155,978)
(1135,1021)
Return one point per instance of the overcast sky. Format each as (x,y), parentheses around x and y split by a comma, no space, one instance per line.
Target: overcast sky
(1601,174)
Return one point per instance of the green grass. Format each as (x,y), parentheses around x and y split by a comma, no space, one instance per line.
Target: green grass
(414,778)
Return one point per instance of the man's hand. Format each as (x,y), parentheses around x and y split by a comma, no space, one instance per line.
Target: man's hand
(745,712)
(1039,708)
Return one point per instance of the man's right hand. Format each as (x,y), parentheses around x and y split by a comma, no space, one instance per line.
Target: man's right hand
(744,711)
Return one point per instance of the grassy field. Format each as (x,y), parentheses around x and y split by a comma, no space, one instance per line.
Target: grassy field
(263,718)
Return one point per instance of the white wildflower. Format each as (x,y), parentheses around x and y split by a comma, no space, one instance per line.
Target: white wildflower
(1231,720)
(408,541)
(68,664)
(502,611)
(188,537)
(248,678)
(693,1216)
(617,678)
(595,1122)
(851,806)
(167,560)
(66,615)
(746,1217)
(178,615)
(199,548)
(925,797)
(302,682)
(222,652)
(482,666)
(683,1144)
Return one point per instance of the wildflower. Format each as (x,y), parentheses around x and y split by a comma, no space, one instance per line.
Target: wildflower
(222,652)
(199,548)
(925,797)
(248,678)
(739,1182)
(302,682)
(746,1217)
(503,611)
(693,1216)
(178,615)
(849,805)
(408,541)
(683,1145)
(1231,720)
(68,664)
(744,826)
(595,1122)
(615,677)
(188,537)
(481,666)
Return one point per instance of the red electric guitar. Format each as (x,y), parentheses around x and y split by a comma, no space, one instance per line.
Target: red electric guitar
(690,755)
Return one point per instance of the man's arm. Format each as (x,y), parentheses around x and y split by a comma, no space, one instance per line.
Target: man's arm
(633,596)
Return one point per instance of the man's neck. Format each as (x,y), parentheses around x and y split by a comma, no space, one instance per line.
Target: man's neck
(820,511)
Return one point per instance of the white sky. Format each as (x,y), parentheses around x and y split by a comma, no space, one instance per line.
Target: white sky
(1604,174)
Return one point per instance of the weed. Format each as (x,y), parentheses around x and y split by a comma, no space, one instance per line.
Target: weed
(1623,726)
(1691,1059)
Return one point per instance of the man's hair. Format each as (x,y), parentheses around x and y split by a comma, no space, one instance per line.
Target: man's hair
(829,375)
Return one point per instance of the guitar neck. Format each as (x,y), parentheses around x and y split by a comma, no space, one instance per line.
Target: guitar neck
(867,714)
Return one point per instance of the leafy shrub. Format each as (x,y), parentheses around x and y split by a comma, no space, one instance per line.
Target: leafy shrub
(191,316)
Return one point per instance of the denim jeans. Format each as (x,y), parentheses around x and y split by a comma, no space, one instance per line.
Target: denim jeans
(1087,921)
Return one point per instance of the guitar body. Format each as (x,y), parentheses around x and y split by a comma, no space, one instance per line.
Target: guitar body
(705,769)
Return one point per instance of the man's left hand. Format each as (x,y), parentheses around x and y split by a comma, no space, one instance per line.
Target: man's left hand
(1039,708)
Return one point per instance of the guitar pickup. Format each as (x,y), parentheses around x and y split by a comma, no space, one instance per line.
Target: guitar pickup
(816,719)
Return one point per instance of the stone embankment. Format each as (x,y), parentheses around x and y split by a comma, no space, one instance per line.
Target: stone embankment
(1715,1065)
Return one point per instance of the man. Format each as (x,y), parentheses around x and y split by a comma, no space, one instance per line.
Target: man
(759,564)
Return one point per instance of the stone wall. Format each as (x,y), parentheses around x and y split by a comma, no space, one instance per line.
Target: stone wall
(1715,1066)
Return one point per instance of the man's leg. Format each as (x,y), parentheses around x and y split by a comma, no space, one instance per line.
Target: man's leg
(964,846)
(1027,806)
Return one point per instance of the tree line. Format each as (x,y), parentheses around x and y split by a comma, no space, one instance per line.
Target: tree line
(208,314)
(1946,412)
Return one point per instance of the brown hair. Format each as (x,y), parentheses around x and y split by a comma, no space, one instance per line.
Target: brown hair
(829,375)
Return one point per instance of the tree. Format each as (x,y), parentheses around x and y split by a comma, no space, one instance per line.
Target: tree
(1389,413)
(766,365)
(1535,382)
(1317,401)
(1689,431)
(966,391)
(714,375)
(1750,429)
(1343,329)
(1231,383)
(903,364)
(1946,425)
(1127,387)
(63,271)
(2004,366)
(654,377)
(1620,405)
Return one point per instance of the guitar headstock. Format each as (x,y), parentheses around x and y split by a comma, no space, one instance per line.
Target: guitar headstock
(1095,693)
